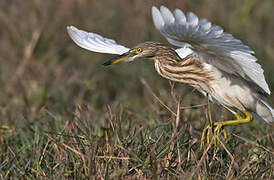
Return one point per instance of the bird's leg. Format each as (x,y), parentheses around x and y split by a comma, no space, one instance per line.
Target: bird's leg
(219,126)
(209,127)
(209,110)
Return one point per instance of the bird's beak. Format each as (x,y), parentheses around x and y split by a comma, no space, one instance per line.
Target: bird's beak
(120,58)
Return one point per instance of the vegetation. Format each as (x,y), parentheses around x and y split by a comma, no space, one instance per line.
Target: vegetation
(63,115)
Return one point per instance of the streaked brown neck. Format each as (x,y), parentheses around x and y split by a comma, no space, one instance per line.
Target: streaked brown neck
(188,70)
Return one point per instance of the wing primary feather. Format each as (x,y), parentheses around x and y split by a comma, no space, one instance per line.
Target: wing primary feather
(167,15)
(192,19)
(180,17)
(210,42)
(157,18)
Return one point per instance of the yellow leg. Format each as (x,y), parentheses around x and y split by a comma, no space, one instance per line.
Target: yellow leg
(218,127)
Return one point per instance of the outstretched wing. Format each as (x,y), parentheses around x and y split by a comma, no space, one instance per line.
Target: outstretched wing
(213,46)
(95,42)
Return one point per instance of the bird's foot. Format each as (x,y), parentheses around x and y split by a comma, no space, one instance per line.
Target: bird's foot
(218,127)
(215,130)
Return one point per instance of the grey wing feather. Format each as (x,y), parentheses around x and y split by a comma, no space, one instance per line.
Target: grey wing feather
(95,42)
(210,42)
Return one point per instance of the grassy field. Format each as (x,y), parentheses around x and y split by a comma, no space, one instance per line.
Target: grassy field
(64,116)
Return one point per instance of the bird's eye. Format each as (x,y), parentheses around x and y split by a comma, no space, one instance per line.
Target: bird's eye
(139,50)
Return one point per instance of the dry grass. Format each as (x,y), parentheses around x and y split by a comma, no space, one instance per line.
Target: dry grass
(64,116)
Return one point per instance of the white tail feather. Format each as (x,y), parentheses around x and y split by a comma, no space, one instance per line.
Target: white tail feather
(268,106)
(270,117)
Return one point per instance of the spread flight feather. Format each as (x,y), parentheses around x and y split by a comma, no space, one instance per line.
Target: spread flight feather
(209,42)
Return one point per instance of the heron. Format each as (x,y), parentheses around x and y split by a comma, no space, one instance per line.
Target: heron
(212,61)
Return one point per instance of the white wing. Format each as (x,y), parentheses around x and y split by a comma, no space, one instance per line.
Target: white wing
(95,42)
(210,43)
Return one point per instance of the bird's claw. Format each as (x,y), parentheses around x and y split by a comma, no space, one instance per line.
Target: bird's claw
(215,130)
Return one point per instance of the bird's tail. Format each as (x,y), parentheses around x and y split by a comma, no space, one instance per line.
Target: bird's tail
(265,111)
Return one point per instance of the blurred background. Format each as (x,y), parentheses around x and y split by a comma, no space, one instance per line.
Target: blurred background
(45,76)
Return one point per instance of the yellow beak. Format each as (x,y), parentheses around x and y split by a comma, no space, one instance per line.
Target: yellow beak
(119,58)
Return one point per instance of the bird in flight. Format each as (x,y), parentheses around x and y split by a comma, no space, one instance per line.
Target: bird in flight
(212,61)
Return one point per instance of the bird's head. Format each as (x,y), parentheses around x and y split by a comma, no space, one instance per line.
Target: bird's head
(144,50)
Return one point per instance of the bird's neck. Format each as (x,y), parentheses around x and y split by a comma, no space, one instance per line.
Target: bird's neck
(188,70)
(166,54)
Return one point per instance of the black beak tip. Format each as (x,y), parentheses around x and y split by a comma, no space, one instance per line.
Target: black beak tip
(107,63)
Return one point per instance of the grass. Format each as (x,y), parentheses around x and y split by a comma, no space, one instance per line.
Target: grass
(63,116)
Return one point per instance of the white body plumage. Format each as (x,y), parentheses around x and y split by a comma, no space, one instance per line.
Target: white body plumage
(231,91)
